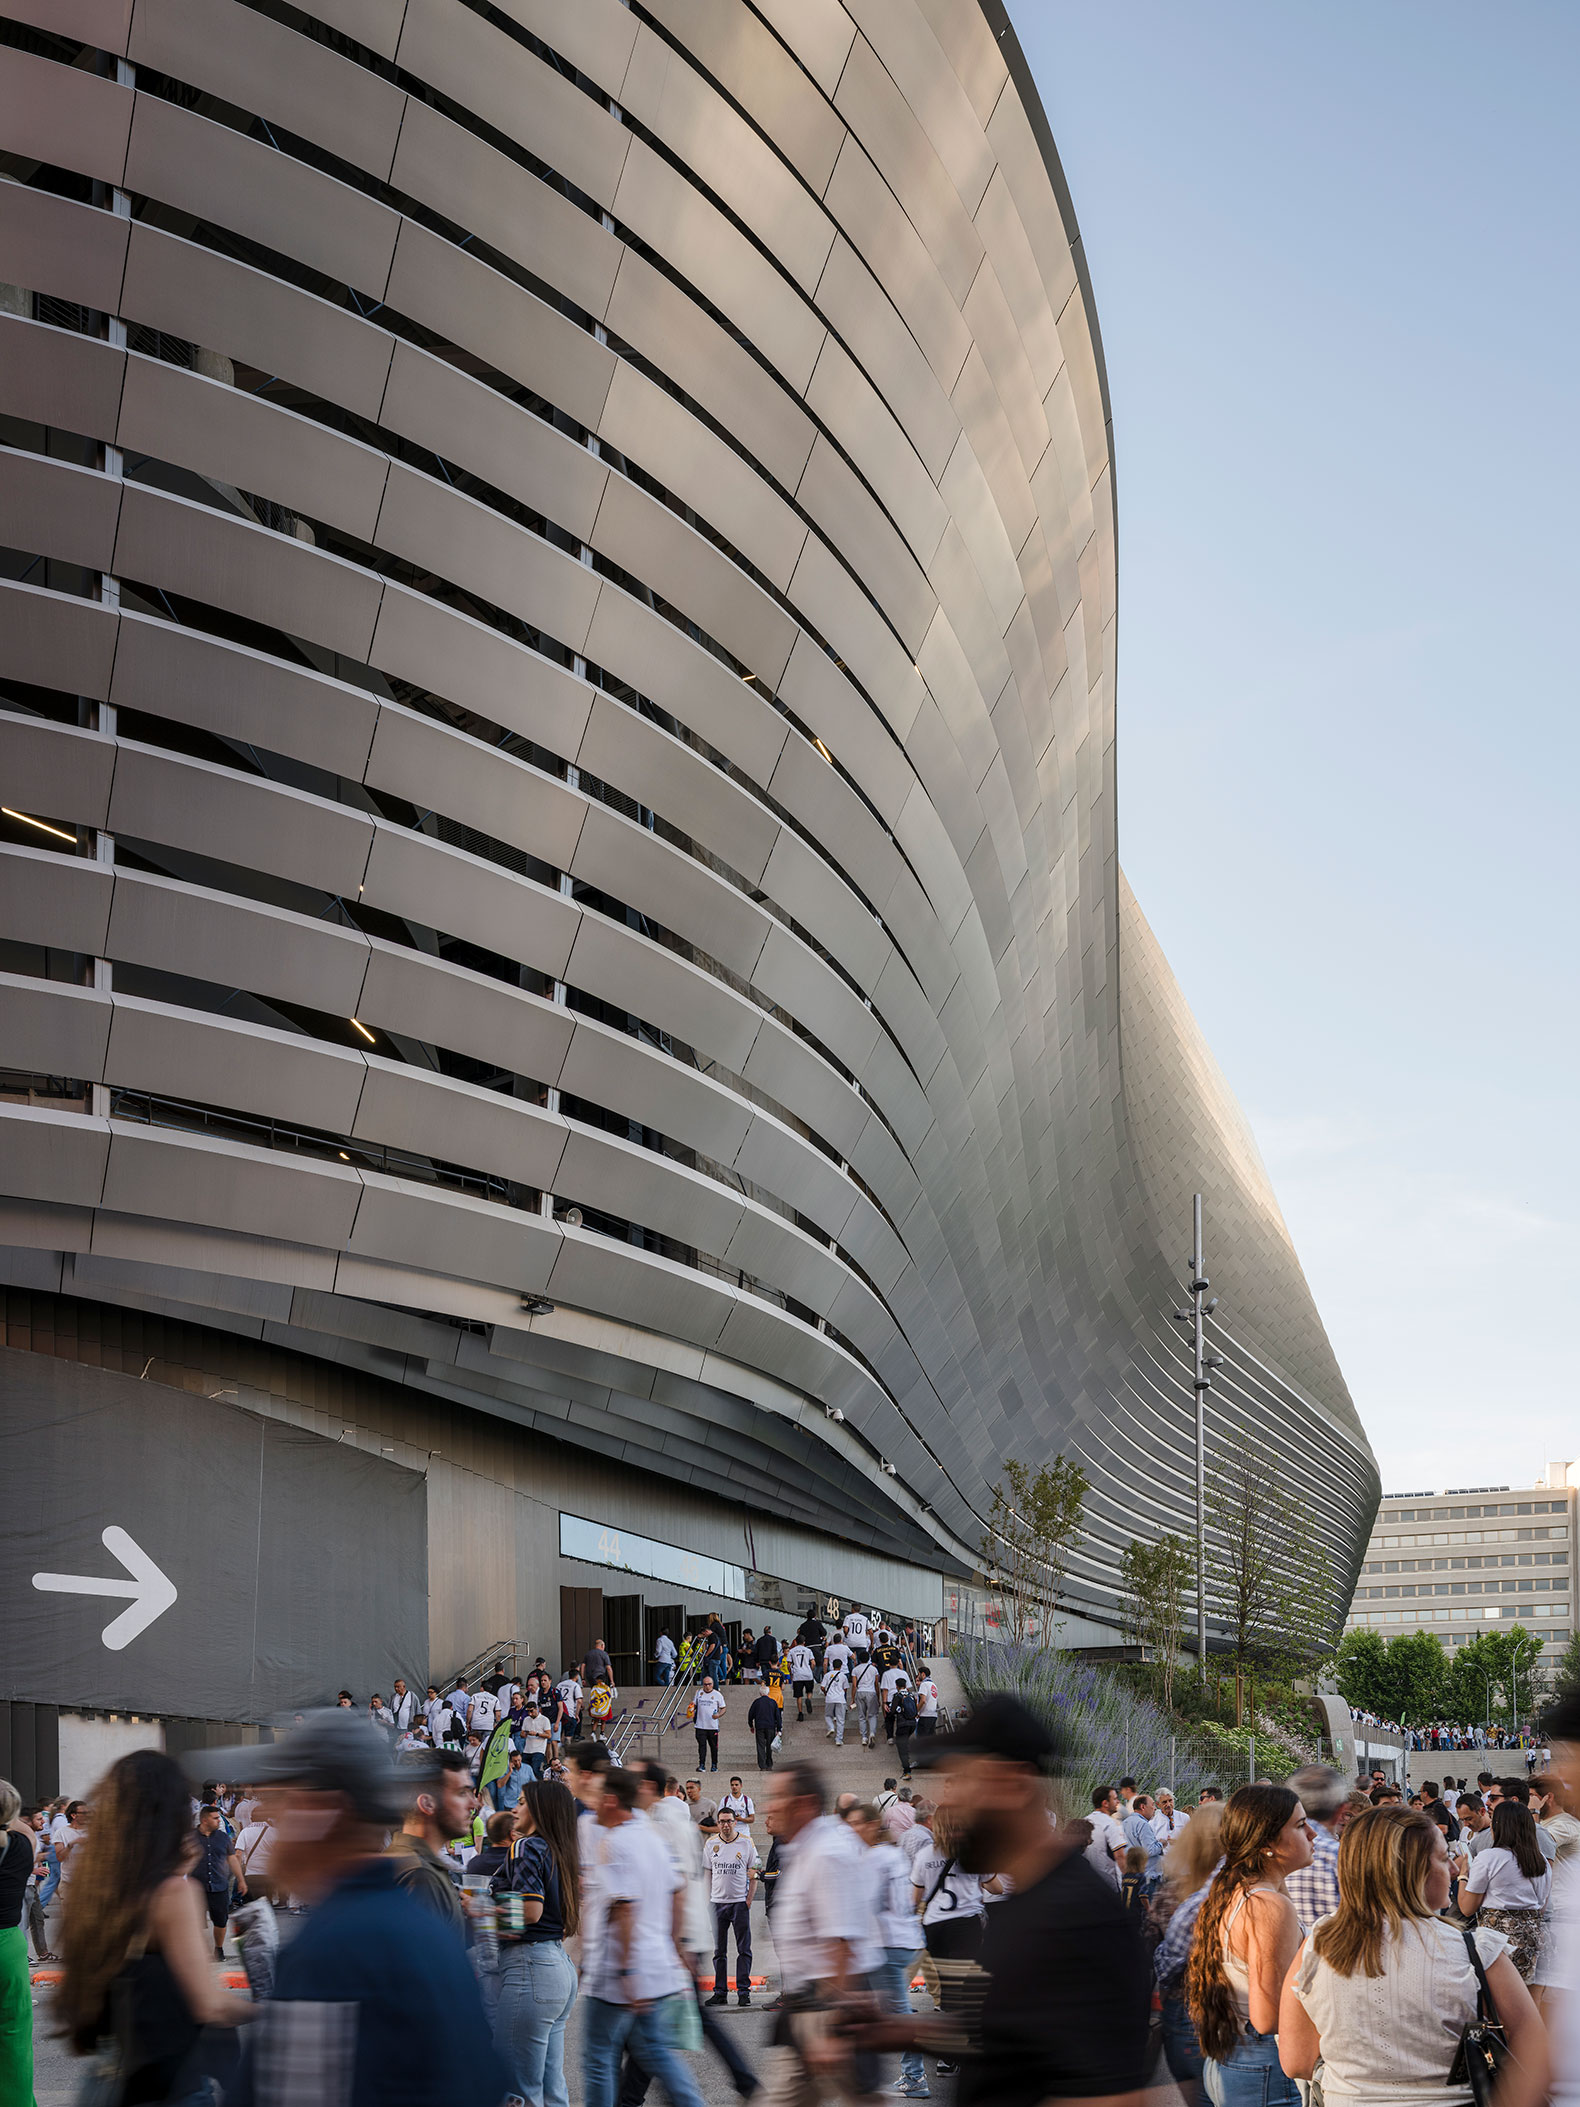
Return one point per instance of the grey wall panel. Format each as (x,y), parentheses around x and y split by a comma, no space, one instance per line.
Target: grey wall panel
(678,450)
(207,169)
(612,1068)
(456,1122)
(934,93)
(800,1079)
(55,245)
(195,1178)
(656,202)
(214,1061)
(437,283)
(655,315)
(260,65)
(375,23)
(50,376)
(181,928)
(853,520)
(645,537)
(242,694)
(759,74)
(624,748)
(63,511)
(475,426)
(619,1177)
(723,152)
(448,1005)
(876,111)
(55,113)
(510,88)
(593,1273)
(662,663)
(804,885)
(54,640)
(55,900)
(238,819)
(634,973)
(635,864)
(54,770)
(430,883)
(55,1156)
(48,1027)
(224,433)
(439,529)
(819,32)
(477,186)
(846,617)
(446,771)
(456,656)
(242,313)
(101,23)
(448,1232)
(881,234)
(819,693)
(286,584)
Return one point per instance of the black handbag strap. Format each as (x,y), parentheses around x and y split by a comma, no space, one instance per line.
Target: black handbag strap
(1486,2009)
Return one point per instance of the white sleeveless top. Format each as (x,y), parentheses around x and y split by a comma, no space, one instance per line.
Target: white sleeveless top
(1389,2039)
(1233,1966)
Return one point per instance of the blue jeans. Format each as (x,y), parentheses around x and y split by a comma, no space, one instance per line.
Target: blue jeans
(1252,2077)
(894,1995)
(51,1879)
(1181,2049)
(537,1987)
(663,1673)
(604,2035)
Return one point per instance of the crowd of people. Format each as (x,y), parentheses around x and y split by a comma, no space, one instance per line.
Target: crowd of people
(1440,1737)
(407,1938)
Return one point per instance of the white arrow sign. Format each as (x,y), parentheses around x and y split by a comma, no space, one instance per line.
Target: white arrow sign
(152,1592)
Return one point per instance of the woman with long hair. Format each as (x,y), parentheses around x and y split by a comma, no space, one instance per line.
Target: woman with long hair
(1188,1866)
(18,1855)
(1383,1989)
(1511,1885)
(538,1889)
(1247,1934)
(137,1958)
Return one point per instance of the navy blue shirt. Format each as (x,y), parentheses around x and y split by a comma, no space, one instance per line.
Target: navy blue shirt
(213,1867)
(375,2005)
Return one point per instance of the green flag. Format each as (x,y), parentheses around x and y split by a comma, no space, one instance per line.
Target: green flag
(496,1758)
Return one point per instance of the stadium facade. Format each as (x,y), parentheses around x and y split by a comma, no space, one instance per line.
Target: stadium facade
(571,1016)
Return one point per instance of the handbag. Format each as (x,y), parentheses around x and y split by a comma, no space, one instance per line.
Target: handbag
(1484,2046)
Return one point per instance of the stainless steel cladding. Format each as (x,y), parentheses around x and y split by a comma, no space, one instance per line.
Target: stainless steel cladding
(558,743)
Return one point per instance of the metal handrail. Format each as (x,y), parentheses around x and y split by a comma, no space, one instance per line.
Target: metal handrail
(637,1725)
(507,1650)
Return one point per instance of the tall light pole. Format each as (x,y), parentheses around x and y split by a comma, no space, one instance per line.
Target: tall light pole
(1204,1362)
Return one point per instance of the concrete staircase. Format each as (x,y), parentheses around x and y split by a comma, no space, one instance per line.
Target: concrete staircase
(847,1769)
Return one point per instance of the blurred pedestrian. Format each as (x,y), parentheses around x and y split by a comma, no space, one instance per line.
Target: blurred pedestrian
(137,1976)
(374,2001)
(18,1856)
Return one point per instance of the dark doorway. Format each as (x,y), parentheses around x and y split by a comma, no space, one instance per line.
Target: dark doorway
(622,1630)
(671,1619)
(581,1621)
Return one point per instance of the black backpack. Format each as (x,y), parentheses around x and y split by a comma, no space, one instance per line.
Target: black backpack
(905,1708)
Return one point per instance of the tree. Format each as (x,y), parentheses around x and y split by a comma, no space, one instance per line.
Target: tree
(1484,1673)
(1566,1669)
(1360,1668)
(1155,1577)
(1417,1677)
(1032,1524)
(1271,1577)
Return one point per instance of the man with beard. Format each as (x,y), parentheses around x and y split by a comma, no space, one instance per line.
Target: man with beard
(374,2001)
(1059,2007)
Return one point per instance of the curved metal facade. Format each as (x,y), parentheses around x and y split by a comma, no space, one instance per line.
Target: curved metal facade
(565,628)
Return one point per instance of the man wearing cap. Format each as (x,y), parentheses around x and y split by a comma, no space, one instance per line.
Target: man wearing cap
(374,2002)
(1063,2006)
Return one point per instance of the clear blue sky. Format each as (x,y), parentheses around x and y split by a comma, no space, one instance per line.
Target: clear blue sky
(1334,255)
